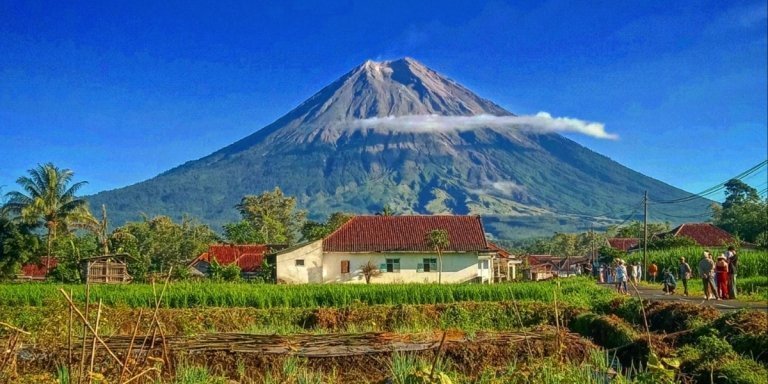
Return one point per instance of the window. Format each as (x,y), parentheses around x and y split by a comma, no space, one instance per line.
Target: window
(345,266)
(428,265)
(391,265)
(299,262)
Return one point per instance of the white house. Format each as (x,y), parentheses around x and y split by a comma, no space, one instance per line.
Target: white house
(397,246)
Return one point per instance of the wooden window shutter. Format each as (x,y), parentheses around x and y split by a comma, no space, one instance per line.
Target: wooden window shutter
(345,266)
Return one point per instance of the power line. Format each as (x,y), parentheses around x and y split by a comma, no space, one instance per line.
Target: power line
(716,188)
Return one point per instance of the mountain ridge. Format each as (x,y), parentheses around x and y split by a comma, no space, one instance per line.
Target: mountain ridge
(330,153)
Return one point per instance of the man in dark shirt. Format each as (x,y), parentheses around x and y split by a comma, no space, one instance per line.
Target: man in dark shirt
(733,264)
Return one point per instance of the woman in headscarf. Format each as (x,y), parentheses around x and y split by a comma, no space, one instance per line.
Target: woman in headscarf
(721,271)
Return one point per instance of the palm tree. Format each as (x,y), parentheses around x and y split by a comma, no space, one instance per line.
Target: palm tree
(49,201)
(438,240)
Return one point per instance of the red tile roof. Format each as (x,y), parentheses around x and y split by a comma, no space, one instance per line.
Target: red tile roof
(623,243)
(39,270)
(405,233)
(501,252)
(248,257)
(704,234)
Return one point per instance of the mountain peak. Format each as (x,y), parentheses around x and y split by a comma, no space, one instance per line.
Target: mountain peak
(394,88)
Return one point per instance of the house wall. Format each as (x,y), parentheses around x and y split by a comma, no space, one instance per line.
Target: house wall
(311,272)
(457,267)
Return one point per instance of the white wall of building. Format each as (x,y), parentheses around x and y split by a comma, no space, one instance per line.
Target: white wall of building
(457,267)
(310,255)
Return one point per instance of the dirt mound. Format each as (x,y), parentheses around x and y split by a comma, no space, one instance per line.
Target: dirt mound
(672,317)
(747,331)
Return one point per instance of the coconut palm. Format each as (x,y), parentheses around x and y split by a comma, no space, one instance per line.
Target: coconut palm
(49,200)
(437,239)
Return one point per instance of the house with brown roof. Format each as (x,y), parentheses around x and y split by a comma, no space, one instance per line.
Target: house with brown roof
(37,271)
(623,243)
(705,234)
(249,257)
(397,246)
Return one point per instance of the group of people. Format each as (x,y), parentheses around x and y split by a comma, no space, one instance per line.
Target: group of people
(719,277)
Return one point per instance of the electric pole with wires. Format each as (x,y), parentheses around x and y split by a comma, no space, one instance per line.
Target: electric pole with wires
(645,235)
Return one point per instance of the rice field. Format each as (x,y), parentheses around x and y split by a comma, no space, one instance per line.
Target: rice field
(575,291)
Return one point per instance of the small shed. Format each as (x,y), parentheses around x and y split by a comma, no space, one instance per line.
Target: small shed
(107,269)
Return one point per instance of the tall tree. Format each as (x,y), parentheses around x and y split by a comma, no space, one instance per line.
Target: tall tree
(743,212)
(158,243)
(274,215)
(313,230)
(17,246)
(49,201)
(739,193)
(437,239)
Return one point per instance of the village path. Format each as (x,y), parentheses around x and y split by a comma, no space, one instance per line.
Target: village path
(655,294)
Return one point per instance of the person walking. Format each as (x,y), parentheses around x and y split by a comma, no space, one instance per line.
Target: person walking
(685,274)
(733,265)
(633,272)
(621,278)
(721,271)
(652,271)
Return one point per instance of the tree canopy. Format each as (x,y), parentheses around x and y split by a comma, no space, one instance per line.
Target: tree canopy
(48,200)
(273,215)
(743,213)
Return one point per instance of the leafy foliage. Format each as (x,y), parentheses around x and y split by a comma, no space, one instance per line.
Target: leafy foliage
(636,229)
(158,244)
(743,213)
(18,245)
(273,215)
(437,239)
(369,270)
(220,272)
(312,230)
(242,232)
(50,201)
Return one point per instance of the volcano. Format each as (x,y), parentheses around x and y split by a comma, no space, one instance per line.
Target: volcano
(376,137)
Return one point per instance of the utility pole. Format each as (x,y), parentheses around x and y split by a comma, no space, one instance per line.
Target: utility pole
(645,235)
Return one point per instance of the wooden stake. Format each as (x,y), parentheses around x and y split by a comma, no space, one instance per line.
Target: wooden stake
(130,346)
(93,345)
(84,320)
(144,372)
(85,333)
(437,356)
(69,344)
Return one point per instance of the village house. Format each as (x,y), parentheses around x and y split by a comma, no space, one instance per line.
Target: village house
(248,257)
(624,244)
(704,234)
(398,248)
(542,267)
(37,271)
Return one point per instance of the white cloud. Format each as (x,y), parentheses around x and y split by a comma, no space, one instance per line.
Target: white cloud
(541,122)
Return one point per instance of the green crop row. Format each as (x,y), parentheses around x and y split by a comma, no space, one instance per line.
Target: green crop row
(576,291)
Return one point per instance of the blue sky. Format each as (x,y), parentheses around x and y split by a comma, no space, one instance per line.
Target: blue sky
(122,91)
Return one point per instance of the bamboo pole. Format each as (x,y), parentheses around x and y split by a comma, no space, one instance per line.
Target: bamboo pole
(437,356)
(93,344)
(144,372)
(69,344)
(85,333)
(130,346)
(85,321)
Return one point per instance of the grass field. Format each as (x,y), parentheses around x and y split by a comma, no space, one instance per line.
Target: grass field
(575,291)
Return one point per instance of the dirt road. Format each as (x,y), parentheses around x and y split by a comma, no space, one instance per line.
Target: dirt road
(655,294)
